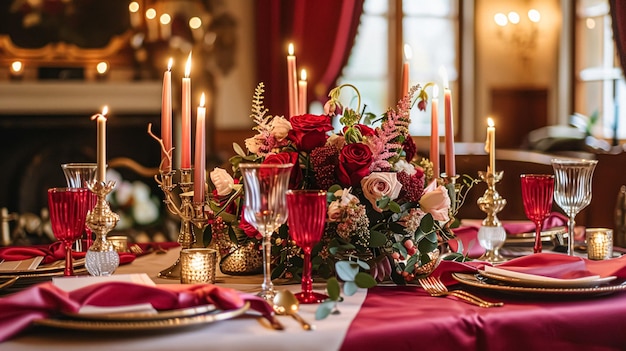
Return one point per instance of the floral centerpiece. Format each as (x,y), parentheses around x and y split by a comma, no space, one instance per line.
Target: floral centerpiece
(387,212)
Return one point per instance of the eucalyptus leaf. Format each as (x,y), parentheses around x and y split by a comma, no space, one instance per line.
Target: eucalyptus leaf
(363,264)
(377,239)
(410,264)
(394,207)
(239,150)
(425,246)
(324,309)
(347,270)
(350,288)
(427,223)
(364,280)
(334,188)
(333,288)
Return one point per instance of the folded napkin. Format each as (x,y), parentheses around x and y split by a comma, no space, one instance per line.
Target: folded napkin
(17,311)
(56,251)
(561,266)
(468,234)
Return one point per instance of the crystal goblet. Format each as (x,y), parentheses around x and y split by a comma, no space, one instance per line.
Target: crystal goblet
(78,175)
(572,190)
(265,186)
(537,195)
(307,217)
(68,211)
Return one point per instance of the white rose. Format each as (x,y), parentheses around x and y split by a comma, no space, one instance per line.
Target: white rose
(379,184)
(334,211)
(402,165)
(222,180)
(280,128)
(337,141)
(253,144)
(436,201)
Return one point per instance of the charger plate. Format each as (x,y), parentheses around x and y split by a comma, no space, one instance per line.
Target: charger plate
(481,282)
(132,325)
(538,282)
(6,282)
(50,270)
(138,316)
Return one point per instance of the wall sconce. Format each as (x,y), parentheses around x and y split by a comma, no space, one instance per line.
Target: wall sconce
(16,70)
(522,33)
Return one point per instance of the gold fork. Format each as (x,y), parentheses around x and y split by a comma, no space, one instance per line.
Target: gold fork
(435,287)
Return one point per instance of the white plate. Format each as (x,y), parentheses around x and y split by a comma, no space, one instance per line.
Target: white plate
(532,280)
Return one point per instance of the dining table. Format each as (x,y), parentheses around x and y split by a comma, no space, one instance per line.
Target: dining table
(385,317)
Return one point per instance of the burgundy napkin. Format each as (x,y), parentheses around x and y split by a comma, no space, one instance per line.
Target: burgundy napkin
(468,234)
(445,269)
(566,267)
(17,311)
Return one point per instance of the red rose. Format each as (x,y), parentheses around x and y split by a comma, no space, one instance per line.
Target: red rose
(365,130)
(354,164)
(295,179)
(309,131)
(248,228)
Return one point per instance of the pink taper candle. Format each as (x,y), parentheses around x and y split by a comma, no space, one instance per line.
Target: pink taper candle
(302,86)
(101,149)
(490,145)
(434,131)
(449,125)
(292,81)
(405,71)
(200,156)
(185,150)
(166,116)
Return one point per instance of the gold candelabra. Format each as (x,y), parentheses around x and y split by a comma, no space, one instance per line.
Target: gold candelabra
(491,235)
(190,213)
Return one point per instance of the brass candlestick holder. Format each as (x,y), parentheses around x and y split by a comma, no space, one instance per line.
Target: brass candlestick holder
(101,258)
(491,235)
(190,213)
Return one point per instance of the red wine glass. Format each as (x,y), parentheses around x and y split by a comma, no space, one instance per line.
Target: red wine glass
(307,217)
(68,211)
(537,194)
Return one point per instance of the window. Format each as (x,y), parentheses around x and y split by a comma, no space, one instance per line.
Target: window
(429,27)
(599,79)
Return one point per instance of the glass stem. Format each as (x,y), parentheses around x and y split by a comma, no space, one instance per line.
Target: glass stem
(538,226)
(571,223)
(307,281)
(69,267)
(267,286)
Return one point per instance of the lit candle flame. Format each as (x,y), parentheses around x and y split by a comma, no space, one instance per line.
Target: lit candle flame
(408,53)
(303,74)
(290,50)
(490,122)
(188,66)
(170,62)
(444,76)
(202,100)
(435,91)
(105,110)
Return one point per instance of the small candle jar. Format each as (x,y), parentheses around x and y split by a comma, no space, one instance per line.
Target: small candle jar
(119,242)
(599,243)
(198,265)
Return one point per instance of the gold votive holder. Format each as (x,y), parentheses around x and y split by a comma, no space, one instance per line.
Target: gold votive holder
(198,265)
(599,243)
(119,242)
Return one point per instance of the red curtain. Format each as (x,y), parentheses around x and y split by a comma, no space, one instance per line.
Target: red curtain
(322,32)
(618,16)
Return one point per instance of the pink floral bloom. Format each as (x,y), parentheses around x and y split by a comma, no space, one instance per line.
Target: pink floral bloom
(380,184)
(436,201)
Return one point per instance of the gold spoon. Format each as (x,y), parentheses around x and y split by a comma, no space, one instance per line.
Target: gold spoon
(286,303)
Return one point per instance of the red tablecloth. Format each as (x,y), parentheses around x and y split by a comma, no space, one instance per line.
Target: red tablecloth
(406,318)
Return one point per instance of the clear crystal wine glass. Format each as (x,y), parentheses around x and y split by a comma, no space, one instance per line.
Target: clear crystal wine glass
(265,208)
(307,217)
(537,195)
(78,175)
(572,190)
(68,211)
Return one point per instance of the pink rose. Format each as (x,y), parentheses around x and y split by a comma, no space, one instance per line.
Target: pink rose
(354,164)
(436,201)
(309,131)
(379,184)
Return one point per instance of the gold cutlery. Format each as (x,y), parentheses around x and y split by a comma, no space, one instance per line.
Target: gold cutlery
(435,287)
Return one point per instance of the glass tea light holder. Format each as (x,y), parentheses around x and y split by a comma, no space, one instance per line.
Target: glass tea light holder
(198,265)
(599,243)
(119,242)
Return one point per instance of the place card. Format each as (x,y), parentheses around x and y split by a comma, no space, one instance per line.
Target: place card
(76,282)
(24,265)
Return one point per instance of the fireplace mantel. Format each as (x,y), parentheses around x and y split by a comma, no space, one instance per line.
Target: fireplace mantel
(54,98)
